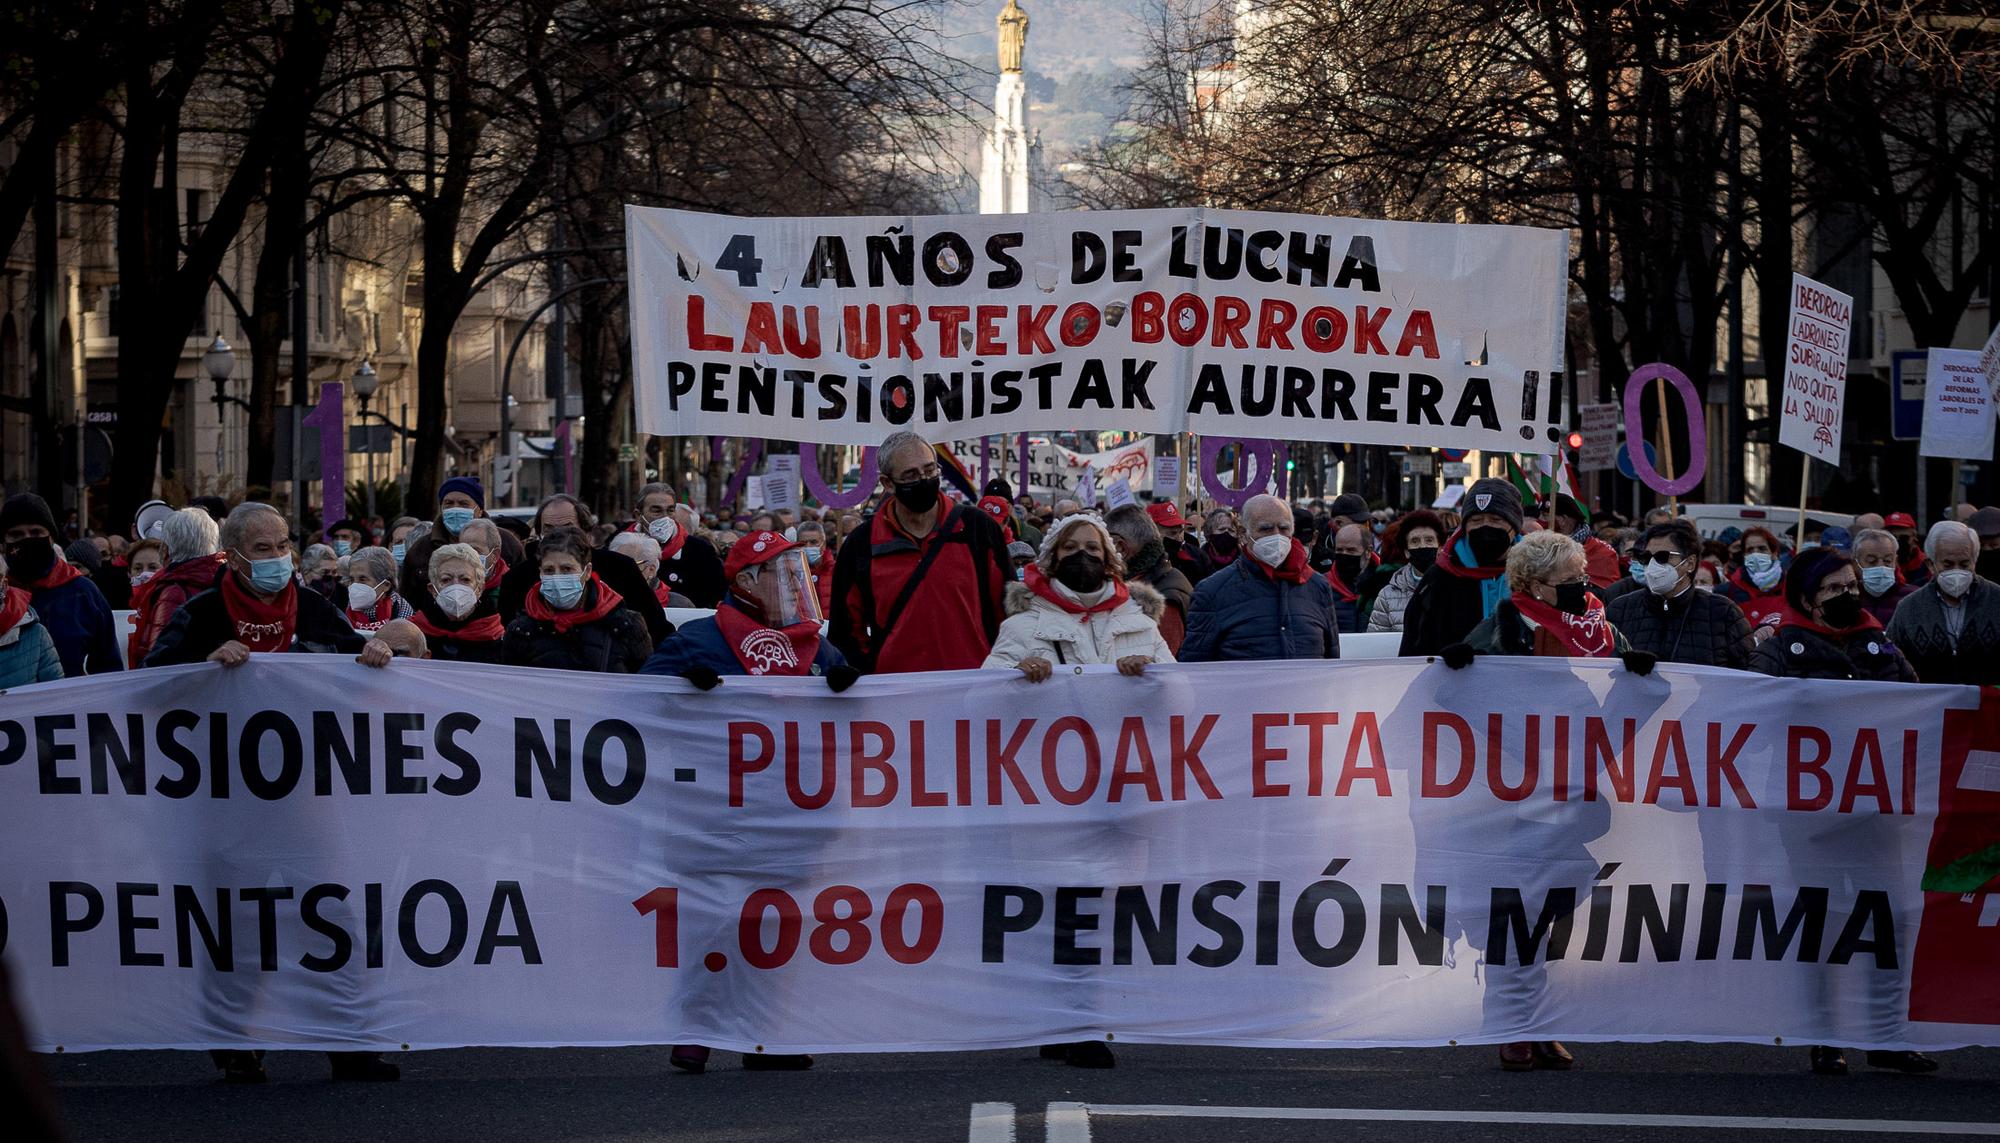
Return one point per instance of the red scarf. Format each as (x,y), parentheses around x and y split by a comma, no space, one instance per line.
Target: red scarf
(13,608)
(1297,567)
(1043,586)
(59,573)
(587,612)
(1586,636)
(365,621)
(672,547)
(261,626)
(662,592)
(1791,618)
(484,629)
(762,650)
(1349,594)
(493,577)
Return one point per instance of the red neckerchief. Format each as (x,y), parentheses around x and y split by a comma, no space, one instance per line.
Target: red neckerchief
(765,650)
(672,547)
(1586,636)
(1297,567)
(59,573)
(662,592)
(1448,560)
(484,629)
(261,626)
(588,612)
(1791,618)
(1043,586)
(13,608)
(385,610)
(493,577)
(1349,594)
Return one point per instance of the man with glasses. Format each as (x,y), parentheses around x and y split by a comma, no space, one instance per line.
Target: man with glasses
(1669,618)
(919,586)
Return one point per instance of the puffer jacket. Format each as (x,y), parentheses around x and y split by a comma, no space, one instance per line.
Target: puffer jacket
(27,654)
(1919,632)
(1697,627)
(1808,651)
(1036,627)
(159,598)
(1240,613)
(1393,600)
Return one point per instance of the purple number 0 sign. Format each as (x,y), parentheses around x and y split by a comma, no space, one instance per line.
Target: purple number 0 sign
(809,469)
(1263,458)
(1635,388)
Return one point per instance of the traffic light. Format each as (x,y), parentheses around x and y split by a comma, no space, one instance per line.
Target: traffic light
(1575,441)
(503,476)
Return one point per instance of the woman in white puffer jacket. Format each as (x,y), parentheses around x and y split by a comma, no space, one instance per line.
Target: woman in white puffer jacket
(1075,607)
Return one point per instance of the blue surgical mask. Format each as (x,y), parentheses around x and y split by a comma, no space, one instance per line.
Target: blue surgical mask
(1639,571)
(562,591)
(270,576)
(397,552)
(342,548)
(455,519)
(1877,580)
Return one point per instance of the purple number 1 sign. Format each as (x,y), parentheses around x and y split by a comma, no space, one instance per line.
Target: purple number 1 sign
(330,418)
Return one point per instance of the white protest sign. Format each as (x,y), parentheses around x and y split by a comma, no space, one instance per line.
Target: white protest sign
(1086,488)
(1166,477)
(306,853)
(1600,425)
(781,481)
(1234,323)
(1958,407)
(753,494)
(1053,470)
(1815,369)
(1118,494)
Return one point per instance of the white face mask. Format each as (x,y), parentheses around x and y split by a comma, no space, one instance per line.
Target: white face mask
(663,529)
(142,577)
(1955,583)
(457,600)
(1272,549)
(361,597)
(1661,578)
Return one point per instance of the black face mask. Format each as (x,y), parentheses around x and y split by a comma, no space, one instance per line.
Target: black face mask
(327,585)
(1842,611)
(918,495)
(1423,559)
(1988,565)
(1571,598)
(1080,572)
(1489,544)
(1348,568)
(31,558)
(1223,542)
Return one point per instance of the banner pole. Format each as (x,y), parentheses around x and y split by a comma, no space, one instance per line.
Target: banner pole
(1805,468)
(1666,439)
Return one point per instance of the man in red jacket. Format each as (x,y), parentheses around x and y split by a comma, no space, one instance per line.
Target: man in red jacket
(918,587)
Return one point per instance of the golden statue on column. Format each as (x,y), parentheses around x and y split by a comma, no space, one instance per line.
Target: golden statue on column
(1013,36)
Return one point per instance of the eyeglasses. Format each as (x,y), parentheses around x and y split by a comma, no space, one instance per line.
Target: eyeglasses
(1835,590)
(1659,557)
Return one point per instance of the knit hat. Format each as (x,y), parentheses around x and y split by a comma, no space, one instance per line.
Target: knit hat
(1354,508)
(1165,515)
(753,549)
(83,554)
(467,484)
(1495,496)
(1020,550)
(26,508)
(1053,537)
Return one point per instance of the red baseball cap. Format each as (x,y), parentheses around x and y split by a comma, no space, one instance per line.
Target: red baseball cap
(996,507)
(1899,520)
(1165,514)
(754,549)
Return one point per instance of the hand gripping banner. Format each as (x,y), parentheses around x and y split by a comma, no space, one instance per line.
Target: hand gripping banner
(303,852)
(1232,323)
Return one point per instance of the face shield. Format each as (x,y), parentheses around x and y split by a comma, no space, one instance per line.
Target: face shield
(785,587)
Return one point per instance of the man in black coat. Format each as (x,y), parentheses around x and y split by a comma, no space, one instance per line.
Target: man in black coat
(619,572)
(1469,579)
(1671,620)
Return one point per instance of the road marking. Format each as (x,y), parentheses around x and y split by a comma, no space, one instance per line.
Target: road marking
(992,1123)
(1070,1122)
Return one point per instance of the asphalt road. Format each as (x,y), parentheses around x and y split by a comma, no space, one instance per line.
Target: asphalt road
(1189,1095)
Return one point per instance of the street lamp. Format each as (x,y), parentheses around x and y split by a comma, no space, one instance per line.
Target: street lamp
(220,361)
(365,382)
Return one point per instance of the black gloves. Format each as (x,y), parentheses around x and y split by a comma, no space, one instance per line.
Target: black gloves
(1639,662)
(1458,656)
(840,678)
(704,678)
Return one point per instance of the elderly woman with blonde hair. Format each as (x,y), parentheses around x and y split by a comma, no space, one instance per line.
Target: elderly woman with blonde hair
(1075,607)
(1550,610)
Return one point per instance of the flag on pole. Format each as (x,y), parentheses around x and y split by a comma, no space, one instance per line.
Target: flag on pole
(1555,475)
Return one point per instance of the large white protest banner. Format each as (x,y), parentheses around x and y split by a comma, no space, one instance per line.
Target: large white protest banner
(1053,470)
(1958,407)
(1822,318)
(305,852)
(1238,323)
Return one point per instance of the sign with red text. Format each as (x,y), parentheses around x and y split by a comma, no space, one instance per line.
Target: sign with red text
(1958,407)
(303,852)
(1235,323)
(1815,367)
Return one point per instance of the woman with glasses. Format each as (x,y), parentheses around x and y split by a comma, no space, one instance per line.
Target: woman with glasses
(1826,633)
(1670,619)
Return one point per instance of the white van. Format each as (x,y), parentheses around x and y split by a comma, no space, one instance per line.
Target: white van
(1710,519)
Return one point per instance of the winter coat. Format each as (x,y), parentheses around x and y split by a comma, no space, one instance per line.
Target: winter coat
(1444,609)
(28,654)
(1035,627)
(1696,627)
(696,572)
(414,579)
(1800,652)
(1393,601)
(1883,606)
(699,643)
(1761,608)
(1238,612)
(616,644)
(159,598)
(1505,632)
(1919,632)
(204,624)
(617,571)
(1162,576)
(77,617)
(1618,589)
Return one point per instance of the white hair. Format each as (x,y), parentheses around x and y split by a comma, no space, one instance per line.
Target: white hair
(190,534)
(1869,536)
(1537,556)
(1949,530)
(640,548)
(896,442)
(237,525)
(377,562)
(455,553)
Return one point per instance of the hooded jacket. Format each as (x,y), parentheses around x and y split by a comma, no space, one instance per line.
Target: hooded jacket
(27,654)
(1451,599)
(1036,627)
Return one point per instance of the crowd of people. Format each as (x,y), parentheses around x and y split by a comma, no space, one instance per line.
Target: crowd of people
(922,580)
